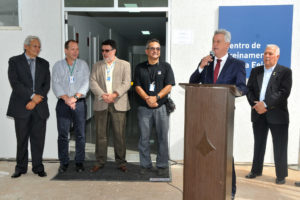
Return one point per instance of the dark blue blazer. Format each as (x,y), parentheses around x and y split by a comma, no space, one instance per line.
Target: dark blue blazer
(20,79)
(233,73)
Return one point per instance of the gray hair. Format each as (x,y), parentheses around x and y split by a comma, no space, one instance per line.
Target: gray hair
(226,34)
(274,46)
(152,40)
(29,38)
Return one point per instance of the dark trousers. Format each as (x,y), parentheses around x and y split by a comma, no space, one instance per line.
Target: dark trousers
(106,119)
(280,142)
(233,191)
(65,116)
(33,128)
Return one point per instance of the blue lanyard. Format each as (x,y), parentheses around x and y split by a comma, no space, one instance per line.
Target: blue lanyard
(108,69)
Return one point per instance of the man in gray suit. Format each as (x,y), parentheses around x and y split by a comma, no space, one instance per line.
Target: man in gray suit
(110,80)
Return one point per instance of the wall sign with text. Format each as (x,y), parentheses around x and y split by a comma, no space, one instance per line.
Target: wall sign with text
(253,27)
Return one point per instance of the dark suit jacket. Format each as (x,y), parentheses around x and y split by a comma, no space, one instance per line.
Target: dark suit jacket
(20,79)
(233,72)
(277,93)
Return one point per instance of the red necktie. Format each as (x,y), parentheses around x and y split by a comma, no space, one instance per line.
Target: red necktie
(217,69)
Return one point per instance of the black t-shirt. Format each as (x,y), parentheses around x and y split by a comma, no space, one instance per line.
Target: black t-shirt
(145,74)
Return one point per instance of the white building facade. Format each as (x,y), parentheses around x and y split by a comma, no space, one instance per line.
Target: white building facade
(199,18)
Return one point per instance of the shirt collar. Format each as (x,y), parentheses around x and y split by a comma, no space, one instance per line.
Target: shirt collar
(28,58)
(223,58)
(112,62)
(270,69)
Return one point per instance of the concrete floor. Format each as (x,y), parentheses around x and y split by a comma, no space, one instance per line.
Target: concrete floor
(32,187)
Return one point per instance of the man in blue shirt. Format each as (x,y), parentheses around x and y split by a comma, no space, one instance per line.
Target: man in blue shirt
(70,83)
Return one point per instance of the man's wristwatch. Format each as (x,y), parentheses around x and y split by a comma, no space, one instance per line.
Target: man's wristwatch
(76,97)
(157,97)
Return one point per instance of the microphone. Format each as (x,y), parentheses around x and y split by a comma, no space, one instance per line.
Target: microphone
(212,55)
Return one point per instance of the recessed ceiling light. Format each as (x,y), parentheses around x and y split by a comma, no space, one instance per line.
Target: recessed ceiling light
(145,32)
(130,5)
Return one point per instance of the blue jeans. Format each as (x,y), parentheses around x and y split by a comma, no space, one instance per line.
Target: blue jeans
(65,116)
(147,117)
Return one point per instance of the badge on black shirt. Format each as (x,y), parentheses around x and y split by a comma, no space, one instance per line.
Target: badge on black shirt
(152,87)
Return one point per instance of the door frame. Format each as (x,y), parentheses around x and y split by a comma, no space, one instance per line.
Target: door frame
(65,11)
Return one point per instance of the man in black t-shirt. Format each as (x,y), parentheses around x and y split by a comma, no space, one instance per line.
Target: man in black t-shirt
(153,81)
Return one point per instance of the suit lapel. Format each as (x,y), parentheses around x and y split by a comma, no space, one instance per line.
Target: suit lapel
(103,72)
(115,71)
(225,67)
(260,77)
(26,66)
(273,76)
(37,70)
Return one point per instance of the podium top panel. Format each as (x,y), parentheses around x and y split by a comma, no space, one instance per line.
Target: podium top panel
(233,89)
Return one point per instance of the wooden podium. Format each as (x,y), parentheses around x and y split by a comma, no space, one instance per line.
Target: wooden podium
(208,140)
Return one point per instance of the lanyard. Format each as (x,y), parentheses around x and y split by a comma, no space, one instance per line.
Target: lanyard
(152,75)
(108,69)
(71,68)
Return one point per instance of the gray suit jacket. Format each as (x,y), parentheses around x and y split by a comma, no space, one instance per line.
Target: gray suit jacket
(121,84)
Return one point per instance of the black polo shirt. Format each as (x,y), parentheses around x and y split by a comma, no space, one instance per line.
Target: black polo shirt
(145,74)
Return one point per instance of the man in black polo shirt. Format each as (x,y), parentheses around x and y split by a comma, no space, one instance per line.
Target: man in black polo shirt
(153,81)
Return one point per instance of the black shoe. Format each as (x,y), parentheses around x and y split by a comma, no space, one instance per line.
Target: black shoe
(252,175)
(143,170)
(297,183)
(79,167)
(17,174)
(161,171)
(280,181)
(63,168)
(41,173)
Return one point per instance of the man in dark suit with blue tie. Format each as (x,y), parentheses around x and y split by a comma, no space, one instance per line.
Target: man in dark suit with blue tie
(29,77)
(221,68)
(269,88)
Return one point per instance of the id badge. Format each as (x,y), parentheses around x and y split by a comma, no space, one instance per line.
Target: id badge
(108,78)
(71,79)
(152,87)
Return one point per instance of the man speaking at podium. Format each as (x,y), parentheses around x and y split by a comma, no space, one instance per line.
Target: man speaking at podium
(221,68)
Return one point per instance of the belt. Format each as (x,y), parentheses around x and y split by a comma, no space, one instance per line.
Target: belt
(81,99)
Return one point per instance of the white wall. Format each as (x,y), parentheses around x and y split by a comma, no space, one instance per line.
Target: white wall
(201,18)
(41,18)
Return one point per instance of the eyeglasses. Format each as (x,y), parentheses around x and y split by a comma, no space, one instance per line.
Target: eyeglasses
(153,48)
(35,46)
(106,50)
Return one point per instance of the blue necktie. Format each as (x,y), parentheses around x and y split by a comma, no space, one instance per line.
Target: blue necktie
(32,70)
